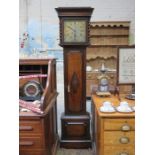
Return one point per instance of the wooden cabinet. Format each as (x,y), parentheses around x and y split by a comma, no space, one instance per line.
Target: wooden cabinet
(105,38)
(113,133)
(38,132)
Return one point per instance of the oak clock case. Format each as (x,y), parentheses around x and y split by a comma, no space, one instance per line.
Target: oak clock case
(74,38)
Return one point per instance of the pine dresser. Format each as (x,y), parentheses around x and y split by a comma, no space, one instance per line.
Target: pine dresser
(113,133)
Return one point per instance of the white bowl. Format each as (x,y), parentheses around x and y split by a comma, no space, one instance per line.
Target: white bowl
(107,109)
(124,109)
(107,103)
(124,104)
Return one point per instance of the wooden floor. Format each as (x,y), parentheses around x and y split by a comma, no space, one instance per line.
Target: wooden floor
(62,151)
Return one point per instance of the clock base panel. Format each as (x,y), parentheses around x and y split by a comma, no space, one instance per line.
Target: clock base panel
(75,131)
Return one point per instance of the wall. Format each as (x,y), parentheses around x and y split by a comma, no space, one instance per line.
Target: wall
(39,29)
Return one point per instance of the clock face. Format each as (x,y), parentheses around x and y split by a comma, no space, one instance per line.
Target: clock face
(74,31)
(31,89)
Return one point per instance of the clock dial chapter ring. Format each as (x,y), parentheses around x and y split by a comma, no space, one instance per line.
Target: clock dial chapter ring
(74,31)
(31,89)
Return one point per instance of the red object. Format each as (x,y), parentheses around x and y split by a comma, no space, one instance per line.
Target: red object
(22,45)
(32,76)
(30,106)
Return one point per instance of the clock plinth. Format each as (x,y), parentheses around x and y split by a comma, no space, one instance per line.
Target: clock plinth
(74,38)
(75,131)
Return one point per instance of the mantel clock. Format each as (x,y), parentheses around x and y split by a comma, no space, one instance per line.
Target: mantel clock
(74,38)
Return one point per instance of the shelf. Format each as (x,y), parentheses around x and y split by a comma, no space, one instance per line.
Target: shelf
(110,24)
(110,36)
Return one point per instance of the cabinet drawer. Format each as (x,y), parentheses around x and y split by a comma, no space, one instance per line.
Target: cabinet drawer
(30,127)
(119,124)
(30,142)
(118,138)
(112,150)
(31,152)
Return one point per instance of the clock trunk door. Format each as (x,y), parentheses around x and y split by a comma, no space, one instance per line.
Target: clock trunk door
(74,81)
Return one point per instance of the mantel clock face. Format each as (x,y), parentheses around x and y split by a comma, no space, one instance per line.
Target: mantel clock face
(31,91)
(74,31)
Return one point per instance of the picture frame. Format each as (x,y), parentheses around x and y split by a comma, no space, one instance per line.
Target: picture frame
(126,65)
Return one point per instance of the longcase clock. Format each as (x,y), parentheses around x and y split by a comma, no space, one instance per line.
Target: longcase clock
(74,38)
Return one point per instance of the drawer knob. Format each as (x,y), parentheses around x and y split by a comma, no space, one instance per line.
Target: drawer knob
(126,127)
(124,153)
(124,140)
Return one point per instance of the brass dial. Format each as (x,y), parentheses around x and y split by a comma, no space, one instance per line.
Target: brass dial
(74,31)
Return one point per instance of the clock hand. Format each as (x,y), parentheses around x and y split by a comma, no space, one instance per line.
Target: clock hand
(75,35)
(71,28)
(74,30)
